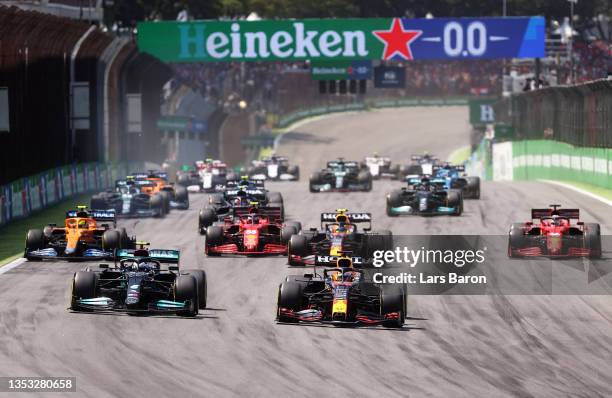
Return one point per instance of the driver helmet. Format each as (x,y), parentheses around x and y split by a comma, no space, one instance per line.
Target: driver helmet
(82,223)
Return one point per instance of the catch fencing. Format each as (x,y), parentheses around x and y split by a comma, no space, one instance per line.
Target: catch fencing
(579,115)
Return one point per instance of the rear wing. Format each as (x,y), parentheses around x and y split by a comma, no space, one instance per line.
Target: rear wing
(98,215)
(349,164)
(167,256)
(564,213)
(353,217)
(250,192)
(269,212)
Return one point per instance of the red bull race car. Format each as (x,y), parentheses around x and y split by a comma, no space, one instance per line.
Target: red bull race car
(252,230)
(340,296)
(551,233)
(338,234)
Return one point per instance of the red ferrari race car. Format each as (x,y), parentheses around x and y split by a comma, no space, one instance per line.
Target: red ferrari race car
(252,230)
(554,235)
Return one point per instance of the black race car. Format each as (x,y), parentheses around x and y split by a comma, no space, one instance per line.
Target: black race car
(341,175)
(137,283)
(273,168)
(425,196)
(340,296)
(338,234)
(129,199)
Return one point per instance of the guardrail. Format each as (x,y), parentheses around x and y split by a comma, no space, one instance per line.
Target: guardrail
(30,194)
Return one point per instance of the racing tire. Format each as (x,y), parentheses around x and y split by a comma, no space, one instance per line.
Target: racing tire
(516,238)
(387,238)
(111,240)
(295,172)
(287,232)
(364,177)
(184,180)
(214,235)
(296,224)
(157,202)
(181,195)
(84,286)
(392,299)
(298,246)
(275,197)
(48,231)
(290,297)
(201,282)
(206,218)
(374,243)
(166,201)
(455,199)
(315,179)
(472,189)
(35,240)
(186,289)
(592,239)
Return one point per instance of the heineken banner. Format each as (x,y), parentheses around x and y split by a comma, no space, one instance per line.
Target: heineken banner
(343,39)
(341,70)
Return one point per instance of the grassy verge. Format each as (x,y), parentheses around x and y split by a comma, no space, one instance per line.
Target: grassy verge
(594,189)
(460,155)
(12,235)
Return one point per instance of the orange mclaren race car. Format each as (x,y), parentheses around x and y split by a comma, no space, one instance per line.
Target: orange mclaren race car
(340,296)
(81,237)
(175,196)
(338,233)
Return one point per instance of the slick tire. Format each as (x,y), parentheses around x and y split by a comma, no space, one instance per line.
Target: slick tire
(516,239)
(166,201)
(181,195)
(35,240)
(298,246)
(214,235)
(393,200)
(296,224)
(206,218)
(289,297)
(111,240)
(295,172)
(186,289)
(124,240)
(184,180)
(592,239)
(392,299)
(84,286)
(287,232)
(201,282)
(455,199)
(157,202)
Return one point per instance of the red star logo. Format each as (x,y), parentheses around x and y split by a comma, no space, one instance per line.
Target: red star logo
(397,40)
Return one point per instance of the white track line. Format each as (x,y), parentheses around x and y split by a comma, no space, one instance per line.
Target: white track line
(13,264)
(579,190)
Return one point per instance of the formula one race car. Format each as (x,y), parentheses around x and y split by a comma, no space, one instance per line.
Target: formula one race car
(455,178)
(81,238)
(220,205)
(338,234)
(554,235)
(130,200)
(274,168)
(177,195)
(419,165)
(425,196)
(341,175)
(380,167)
(208,176)
(136,283)
(340,296)
(253,230)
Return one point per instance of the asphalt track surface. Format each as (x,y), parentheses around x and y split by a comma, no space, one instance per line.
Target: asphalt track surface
(450,345)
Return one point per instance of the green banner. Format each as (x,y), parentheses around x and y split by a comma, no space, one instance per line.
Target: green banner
(481,111)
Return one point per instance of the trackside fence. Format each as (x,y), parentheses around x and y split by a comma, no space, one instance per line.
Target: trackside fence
(29,194)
